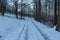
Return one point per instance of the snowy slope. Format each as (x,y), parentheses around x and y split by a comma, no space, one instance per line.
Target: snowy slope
(28,29)
(49,32)
(7,25)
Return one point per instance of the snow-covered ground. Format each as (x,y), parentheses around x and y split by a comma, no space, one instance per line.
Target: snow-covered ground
(28,29)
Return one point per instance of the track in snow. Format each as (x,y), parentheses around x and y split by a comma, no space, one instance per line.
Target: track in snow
(41,32)
(25,31)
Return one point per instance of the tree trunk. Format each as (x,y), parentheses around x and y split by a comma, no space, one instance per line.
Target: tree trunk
(38,9)
(21,8)
(16,7)
(58,18)
(55,11)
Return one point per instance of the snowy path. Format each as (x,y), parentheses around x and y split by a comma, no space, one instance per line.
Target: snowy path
(28,29)
(26,32)
(40,31)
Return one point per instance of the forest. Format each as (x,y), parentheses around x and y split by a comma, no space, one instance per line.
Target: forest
(43,11)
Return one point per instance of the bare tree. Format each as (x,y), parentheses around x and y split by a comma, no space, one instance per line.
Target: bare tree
(16,7)
(21,8)
(38,10)
(55,11)
(2,7)
(58,16)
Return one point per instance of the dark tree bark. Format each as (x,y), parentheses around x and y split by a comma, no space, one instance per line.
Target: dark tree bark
(38,10)
(21,9)
(16,7)
(3,6)
(55,11)
(58,18)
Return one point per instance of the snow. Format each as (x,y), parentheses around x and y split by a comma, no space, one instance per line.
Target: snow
(28,29)
(52,34)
